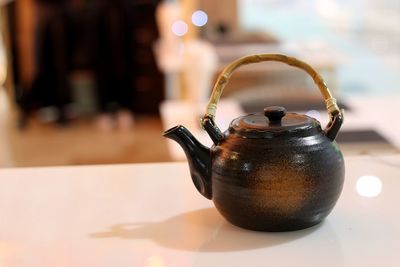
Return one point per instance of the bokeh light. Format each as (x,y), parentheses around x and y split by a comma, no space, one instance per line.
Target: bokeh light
(314,114)
(179,28)
(369,186)
(199,18)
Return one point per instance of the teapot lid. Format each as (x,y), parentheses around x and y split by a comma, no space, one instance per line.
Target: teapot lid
(272,122)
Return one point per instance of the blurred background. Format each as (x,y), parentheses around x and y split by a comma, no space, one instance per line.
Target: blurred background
(97,82)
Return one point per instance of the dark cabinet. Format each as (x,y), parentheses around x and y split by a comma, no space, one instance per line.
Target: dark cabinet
(111,40)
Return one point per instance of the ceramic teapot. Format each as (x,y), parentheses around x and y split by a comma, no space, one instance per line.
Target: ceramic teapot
(272,170)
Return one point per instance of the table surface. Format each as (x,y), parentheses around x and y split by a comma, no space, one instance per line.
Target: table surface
(151,215)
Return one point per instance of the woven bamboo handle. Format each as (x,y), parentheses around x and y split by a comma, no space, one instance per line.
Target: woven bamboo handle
(224,77)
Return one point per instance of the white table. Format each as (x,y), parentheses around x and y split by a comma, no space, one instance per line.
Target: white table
(151,215)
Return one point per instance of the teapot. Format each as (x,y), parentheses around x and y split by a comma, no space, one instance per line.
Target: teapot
(272,170)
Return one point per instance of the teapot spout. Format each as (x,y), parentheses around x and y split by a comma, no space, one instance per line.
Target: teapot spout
(198,156)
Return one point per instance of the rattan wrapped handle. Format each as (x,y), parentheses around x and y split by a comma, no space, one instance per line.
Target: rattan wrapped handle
(224,77)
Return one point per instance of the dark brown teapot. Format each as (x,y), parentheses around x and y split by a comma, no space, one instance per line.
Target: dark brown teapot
(270,171)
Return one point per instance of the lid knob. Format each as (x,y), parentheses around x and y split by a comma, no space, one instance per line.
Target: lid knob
(275,114)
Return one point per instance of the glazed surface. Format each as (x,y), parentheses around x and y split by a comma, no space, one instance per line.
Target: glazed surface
(276,184)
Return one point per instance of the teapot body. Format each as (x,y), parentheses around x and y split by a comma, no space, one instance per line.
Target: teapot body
(279,184)
(272,170)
